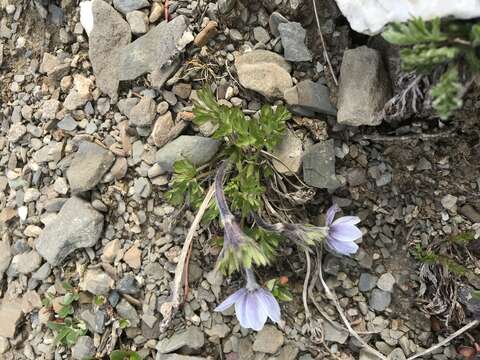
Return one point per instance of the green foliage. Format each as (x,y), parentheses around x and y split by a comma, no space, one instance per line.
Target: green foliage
(428,46)
(124,323)
(432,258)
(124,355)
(268,241)
(447,94)
(68,331)
(463,238)
(279,290)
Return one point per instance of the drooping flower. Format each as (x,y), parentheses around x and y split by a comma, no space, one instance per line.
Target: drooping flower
(239,250)
(304,235)
(342,232)
(253,304)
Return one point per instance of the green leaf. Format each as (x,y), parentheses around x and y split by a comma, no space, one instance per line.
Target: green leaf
(424,58)
(124,323)
(446,94)
(67,286)
(476,294)
(415,31)
(118,355)
(69,298)
(475,35)
(66,310)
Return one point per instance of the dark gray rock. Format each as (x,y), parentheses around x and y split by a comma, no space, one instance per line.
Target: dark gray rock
(276,19)
(126,311)
(84,348)
(125,6)
(319,166)
(335,334)
(310,96)
(128,285)
(88,166)
(95,320)
(379,299)
(470,213)
(109,34)
(186,341)
(196,149)
(78,225)
(367,282)
(154,50)
(293,41)
(364,87)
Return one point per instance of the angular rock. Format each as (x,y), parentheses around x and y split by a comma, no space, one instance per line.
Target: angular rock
(79,94)
(162,128)
(5,257)
(274,21)
(94,320)
(109,34)
(380,300)
(24,263)
(186,341)
(127,311)
(268,340)
(196,149)
(133,257)
(177,357)
(319,166)
(293,42)
(290,152)
(310,96)
(88,166)
(335,333)
(138,22)
(264,72)
(96,282)
(11,314)
(16,132)
(154,50)
(364,87)
(468,211)
(78,225)
(125,6)
(288,352)
(367,282)
(143,113)
(128,285)
(84,348)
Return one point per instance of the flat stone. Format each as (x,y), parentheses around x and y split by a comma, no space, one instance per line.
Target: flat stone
(110,33)
(16,132)
(470,213)
(96,282)
(78,225)
(293,42)
(364,87)
(11,314)
(335,333)
(5,257)
(449,202)
(138,22)
(264,72)
(288,352)
(182,90)
(356,176)
(218,331)
(126,311)
(95,320)
(397,354)
(261,35)
(196,149)
(119,168)
(128,285)
(126,6)
(161,129)
(386,282)
(367,282)
(269,340)
(319,166)
(80,94)
(379,299)
(290,152)
(185,341)
(68,123)
(88,166)
(310,96)
(133,257)
(151,52)
(143,113)
(84,348)
(24,263)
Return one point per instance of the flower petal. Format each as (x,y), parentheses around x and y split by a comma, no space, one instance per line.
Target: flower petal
(232,299)
(270,304)
(241,311)
(342,232)
(347,220)
(256,316)
(331,213)
(342,247)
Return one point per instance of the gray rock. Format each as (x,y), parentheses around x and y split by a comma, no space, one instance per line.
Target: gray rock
(16,132)
(366,355)
(95,320)
(126,311)
(143,113)
(293,41)
(177,357)
(196,149)
(261,35)
(11,314)
(218,331)
(364,87)
(88,166)
(469,212)
(84,348)
(68,123)
(367,282)
(290,152)
(386,282)
(109,34)
(186,341)
(319,166)
(161,129)
(24,263)
(97,282)
(356,176)
(397,354)
(78,225)
(138,22)
(264,72)
(5,257)
(125,6)
(4,344)
(379,299)
(310,96)
(268,340)
(51,153)
(335,333)
(288,352)
(449,202)
(151,52)
(128,285)
(276,19)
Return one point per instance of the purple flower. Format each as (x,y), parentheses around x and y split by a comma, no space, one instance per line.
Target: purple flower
(342,232)
(253,304)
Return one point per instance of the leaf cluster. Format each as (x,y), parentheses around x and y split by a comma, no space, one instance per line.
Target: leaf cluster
(68,331)
(124,355)
(242,256)
(430,257)
(428,45)
(280,291)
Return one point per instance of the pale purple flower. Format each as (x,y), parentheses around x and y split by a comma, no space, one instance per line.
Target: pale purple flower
(253,304)
(342,232)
